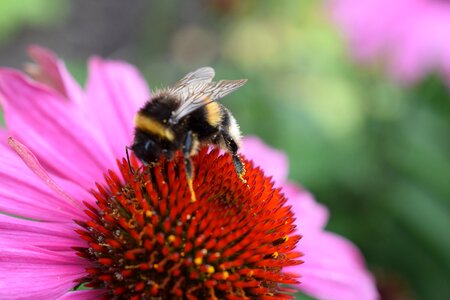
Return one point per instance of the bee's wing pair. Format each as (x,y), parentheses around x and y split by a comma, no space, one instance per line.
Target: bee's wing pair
(197,89)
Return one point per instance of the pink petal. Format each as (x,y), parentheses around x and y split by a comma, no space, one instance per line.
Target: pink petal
(22,254)
(58,133)
(22,193)
(51,236)
(53,72)
(273,162)
(84,295)
(42,281)
(31,161)
(333,268)
(309,213)
(115,91)
(48,274)
(4,136)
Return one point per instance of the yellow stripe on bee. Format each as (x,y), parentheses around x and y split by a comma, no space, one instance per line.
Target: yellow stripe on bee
(213,114)
(150,125)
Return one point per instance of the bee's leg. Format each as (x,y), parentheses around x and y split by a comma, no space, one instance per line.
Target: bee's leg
(128,159)
(187,147)
(233,149)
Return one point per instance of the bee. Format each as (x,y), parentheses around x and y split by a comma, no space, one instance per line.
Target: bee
(185,117)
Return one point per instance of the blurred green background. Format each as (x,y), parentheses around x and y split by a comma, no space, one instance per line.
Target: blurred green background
(376,153)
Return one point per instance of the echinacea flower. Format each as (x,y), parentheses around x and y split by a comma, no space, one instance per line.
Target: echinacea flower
(412,35)
(132,234)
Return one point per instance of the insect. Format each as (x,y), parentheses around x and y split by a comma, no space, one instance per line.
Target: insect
(186,116)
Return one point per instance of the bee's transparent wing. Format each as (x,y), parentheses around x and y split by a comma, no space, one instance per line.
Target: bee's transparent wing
(193,81)
(218,90)
(202,93)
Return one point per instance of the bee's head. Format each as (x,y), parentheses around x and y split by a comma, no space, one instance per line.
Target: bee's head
(146,147)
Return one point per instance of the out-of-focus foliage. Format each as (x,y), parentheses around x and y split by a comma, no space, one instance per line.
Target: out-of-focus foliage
(376,153)
(16,14)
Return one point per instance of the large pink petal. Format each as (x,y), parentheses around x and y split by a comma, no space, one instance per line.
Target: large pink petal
(3,136)
(333,268)
(53,71)
(51,236)
(48,274)
(273,162)
(309,213)
(64,141)
(116,91)
(34,165)
(22,193)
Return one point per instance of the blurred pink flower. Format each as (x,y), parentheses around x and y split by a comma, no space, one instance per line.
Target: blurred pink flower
(333,267)
(413,35)
(74,136)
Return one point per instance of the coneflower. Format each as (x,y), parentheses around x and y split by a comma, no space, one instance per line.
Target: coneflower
(410,35)
(76,219)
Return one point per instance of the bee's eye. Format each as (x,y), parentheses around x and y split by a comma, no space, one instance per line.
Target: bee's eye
(149,145)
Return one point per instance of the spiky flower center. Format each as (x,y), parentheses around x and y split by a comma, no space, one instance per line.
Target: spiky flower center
(145,238)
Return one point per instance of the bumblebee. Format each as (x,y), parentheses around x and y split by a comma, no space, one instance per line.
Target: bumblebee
(186,116)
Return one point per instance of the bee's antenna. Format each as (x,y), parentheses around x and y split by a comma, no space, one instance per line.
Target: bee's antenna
(128,159)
